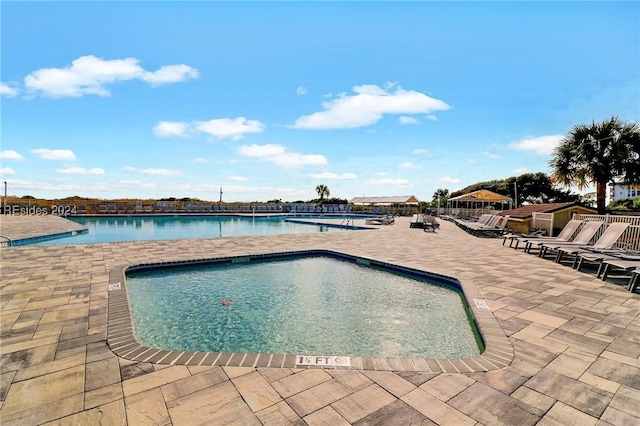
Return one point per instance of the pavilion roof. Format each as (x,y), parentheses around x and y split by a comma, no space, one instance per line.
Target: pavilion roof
(482,195)
(401,199)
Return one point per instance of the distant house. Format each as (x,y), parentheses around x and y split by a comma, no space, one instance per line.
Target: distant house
(551,216)
(621,191)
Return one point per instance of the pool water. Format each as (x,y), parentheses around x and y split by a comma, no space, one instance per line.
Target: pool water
(311,305)
(113,229)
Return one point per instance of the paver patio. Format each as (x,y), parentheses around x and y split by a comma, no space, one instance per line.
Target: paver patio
(576,341)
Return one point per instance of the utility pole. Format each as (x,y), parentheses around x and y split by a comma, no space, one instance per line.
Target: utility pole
(515,187)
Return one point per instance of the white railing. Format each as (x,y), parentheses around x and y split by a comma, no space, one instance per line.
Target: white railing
(629,240)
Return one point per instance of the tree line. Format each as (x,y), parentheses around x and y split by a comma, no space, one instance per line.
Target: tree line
(590,154)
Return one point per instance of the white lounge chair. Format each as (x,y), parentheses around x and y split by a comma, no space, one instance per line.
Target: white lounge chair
(607,240)
(583,238)
(564,236)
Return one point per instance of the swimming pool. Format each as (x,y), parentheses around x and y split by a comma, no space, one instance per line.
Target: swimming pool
(139,228)
(300,304)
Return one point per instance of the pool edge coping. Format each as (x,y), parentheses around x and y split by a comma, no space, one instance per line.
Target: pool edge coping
(498,351)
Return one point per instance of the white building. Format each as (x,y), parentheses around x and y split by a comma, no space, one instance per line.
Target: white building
(619,191)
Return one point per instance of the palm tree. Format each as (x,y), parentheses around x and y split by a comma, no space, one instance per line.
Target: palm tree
(442,195)
(323,191)
(598,153)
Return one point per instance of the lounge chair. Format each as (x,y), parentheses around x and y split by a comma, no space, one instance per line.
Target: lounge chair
(583,238)
(635,279)
(564,236)
(386,220)
(522,237)
(624,264)
(492,229)
(598,257)
(482,220)
(607,240)
(491,221)
(416,221)
(430,224)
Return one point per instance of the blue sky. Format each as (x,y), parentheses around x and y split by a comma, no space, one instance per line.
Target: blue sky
(268,100)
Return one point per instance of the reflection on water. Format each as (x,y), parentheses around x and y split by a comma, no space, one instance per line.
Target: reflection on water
(112,229)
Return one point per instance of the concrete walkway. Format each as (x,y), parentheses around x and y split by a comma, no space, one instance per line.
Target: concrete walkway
(576,343)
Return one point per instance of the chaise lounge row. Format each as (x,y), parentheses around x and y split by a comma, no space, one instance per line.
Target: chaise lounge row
(488,225)
(575,242)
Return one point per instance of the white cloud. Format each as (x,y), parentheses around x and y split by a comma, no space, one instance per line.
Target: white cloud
(5,171)
(127,183)
(167,129)
(278,155)
(201,160)
(261,151)
(8,91)
(88,75)
(160,172)
(472,160)
(129,169)
(54,154)
(407,120)
(234,129)
(9,154)
(521,171)
(420,151)
(400,183)
(490,155)
(302,90)
(408,165)
(238,178)
(431,117)
(81,171)
(64,187)
(543,145)
(369,104)
(447,179)
(334,176)
(170,74)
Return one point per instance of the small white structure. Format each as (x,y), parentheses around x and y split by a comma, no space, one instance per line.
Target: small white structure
(620,191)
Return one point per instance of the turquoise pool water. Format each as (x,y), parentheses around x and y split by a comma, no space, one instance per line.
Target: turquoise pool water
(112,229)
(314,305)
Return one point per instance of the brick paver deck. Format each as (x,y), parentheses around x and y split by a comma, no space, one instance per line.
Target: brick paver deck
(576,343)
